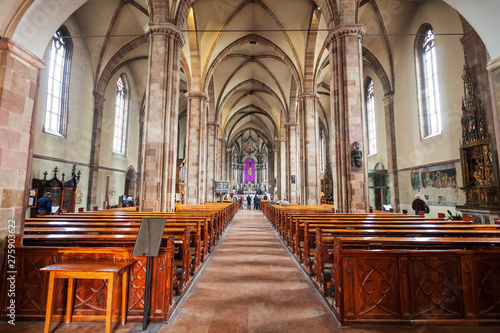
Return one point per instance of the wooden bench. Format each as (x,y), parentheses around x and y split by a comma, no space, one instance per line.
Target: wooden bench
(325,238)
(305,237)
(418,280)
(288,232)
(312,235)
(110,235)
(125,225)
(186,239)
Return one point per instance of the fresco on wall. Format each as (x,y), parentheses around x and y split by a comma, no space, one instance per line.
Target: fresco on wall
(444,176)
(437,184)
(415,180)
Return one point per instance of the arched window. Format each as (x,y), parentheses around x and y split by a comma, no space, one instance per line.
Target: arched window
(121,116)
(56,106)
(427,82)
(370,116)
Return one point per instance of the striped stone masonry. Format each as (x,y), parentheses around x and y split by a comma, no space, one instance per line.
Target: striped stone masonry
(292,151)
(161,119)
(349,182)
(95,153)
(310,174)
(18,90)
(196,148)
(212,142)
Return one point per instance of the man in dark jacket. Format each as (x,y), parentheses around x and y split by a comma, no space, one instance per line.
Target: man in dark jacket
(249,202)
(256,202)
(44,204)
(418,204)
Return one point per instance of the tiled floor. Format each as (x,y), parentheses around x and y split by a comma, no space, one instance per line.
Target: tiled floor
(250,284)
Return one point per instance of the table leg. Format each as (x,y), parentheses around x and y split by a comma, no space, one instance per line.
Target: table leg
(124,295)
(109,303)
(69,302)
(50,301)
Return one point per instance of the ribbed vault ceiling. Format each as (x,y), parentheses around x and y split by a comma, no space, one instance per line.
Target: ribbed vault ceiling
(250,56)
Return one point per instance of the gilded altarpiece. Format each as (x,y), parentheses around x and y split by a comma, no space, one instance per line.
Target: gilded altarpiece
(479,166)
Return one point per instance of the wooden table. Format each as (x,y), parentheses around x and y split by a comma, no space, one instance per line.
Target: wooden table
(88,269)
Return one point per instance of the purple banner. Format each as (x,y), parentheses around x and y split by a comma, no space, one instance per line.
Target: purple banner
(249,171)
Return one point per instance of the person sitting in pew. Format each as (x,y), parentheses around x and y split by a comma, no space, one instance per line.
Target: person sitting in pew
(285,203)
(272,202)
(128,202)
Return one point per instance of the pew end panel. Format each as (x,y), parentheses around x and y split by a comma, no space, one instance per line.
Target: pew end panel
(452,284)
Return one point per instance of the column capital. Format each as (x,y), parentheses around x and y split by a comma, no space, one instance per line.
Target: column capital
(99,97)
(18,51)
(197,95)
(290,124)
(168,29)
(344,30)
(212,123)
(493,65)
(388,98)
(307,95)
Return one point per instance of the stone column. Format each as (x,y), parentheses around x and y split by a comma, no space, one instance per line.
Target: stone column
(282,166)
(270,170)
(349,182)
(95,152)
(196,148)
(392,158)
(213,134)
(292,157)
(222,159)
(229,164)
(310,174)
(18,91)
(160,149)
(494,78)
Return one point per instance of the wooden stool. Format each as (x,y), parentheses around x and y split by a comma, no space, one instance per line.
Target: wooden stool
(89,269)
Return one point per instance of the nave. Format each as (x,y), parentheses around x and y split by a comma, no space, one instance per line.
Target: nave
(250,284)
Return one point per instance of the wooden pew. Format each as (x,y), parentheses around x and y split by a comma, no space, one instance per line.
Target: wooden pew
(105,233)
(31,283)
(111,237)
(304,238)
(205,229)
(289,230)
(421,280)
(358,300)
(299,230)
(324,240)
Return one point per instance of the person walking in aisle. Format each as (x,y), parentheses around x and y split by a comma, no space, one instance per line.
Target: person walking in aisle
(249,202)
(256,202)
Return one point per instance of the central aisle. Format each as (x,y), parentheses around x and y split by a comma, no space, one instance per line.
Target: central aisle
(252,284)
